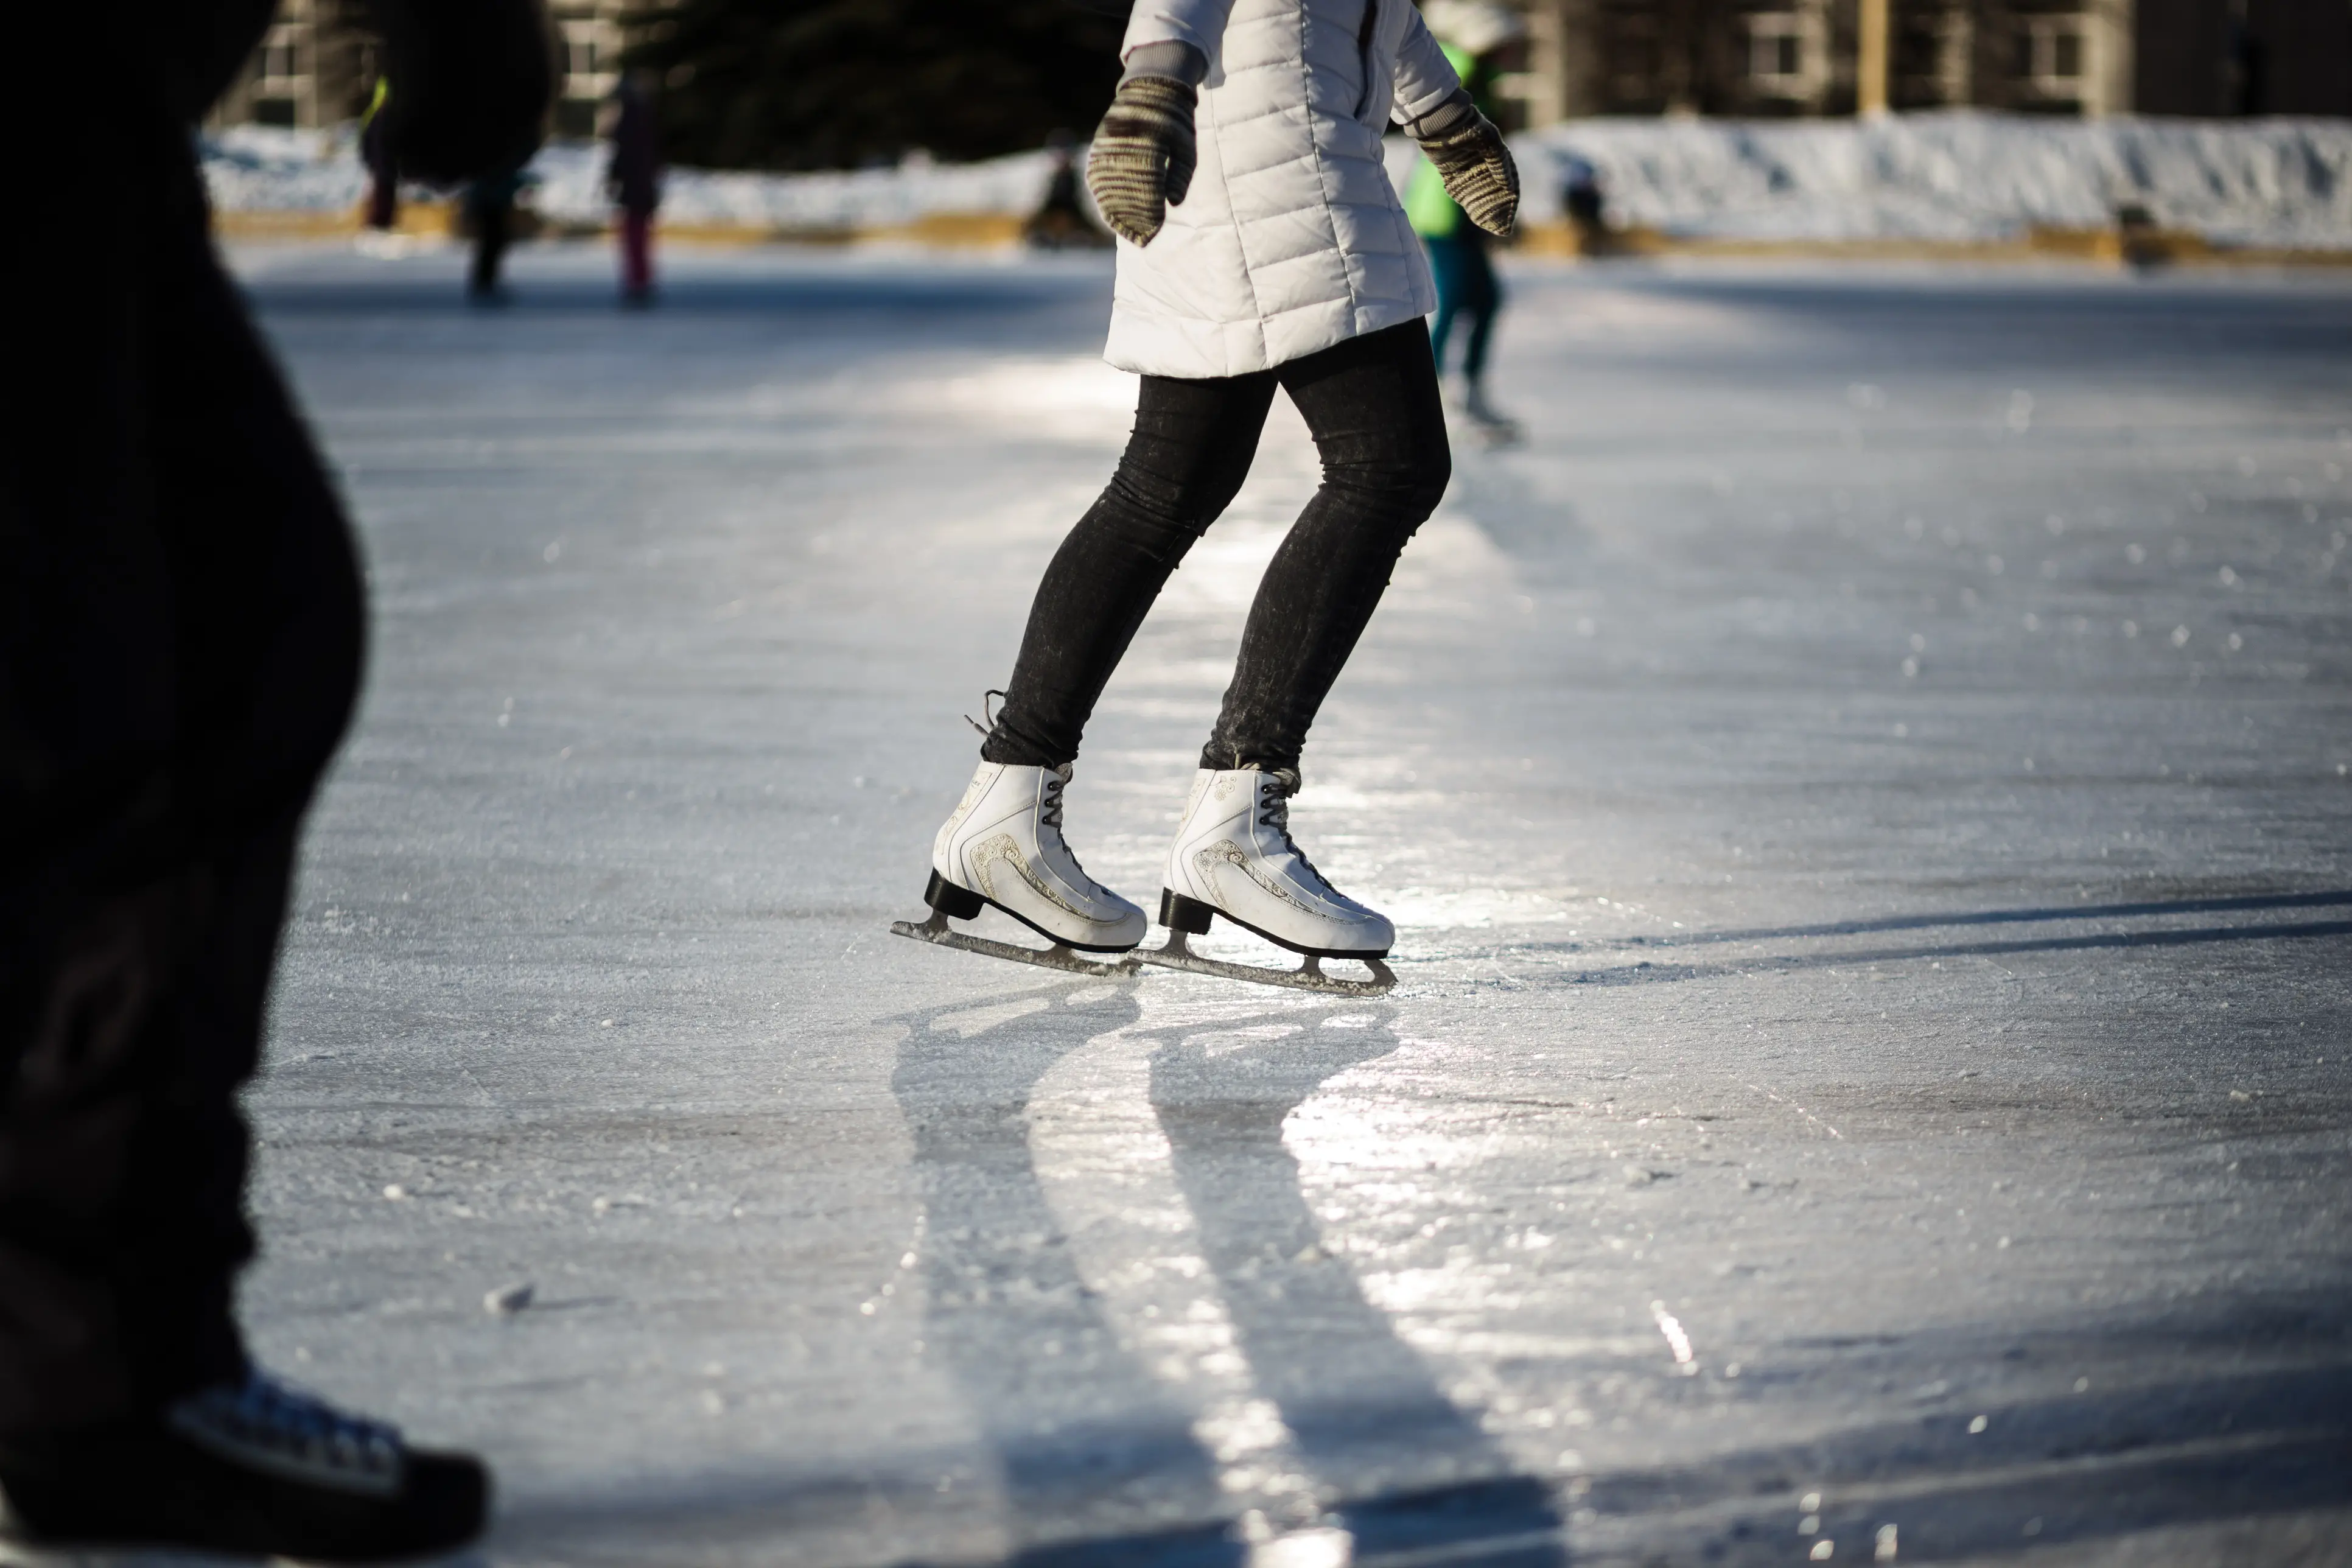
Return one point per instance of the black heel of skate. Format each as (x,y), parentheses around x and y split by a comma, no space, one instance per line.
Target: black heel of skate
(1178,912)
(956,903)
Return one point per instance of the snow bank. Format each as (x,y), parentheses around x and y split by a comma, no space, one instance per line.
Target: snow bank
(573,176)
(263,168)
(1952,176)
(1960,175)
(256,168)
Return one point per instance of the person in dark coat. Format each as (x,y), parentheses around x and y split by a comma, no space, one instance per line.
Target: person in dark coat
(632,178)
(181,630)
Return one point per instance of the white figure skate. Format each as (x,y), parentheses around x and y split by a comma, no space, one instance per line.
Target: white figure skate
(1233,856)
(1004,847)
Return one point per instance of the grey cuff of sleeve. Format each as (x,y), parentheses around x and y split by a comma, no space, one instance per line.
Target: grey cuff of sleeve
(1450,116)
(1174,58)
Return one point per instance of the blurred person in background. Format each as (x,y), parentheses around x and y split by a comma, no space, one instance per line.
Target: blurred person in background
(1265,248)
(1476,36)
(375,153)
(633,179)
(1060,222)
(1581,198)
(181,629)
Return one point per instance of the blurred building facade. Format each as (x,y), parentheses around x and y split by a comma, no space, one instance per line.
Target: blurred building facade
(1794,57)
(318,64)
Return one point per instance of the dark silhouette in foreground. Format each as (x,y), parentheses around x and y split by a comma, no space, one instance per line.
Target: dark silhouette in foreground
(179,645)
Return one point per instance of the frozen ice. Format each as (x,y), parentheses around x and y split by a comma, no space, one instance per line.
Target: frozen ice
(1714,890)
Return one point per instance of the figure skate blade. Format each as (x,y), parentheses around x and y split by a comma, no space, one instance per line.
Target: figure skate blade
(1307,977)
(1069,959)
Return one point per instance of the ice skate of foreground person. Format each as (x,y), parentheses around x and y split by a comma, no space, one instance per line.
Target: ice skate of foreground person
(1262,248)
(1005,847)
(1233,856)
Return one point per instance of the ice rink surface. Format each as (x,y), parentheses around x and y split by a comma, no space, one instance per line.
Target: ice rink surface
(1863,792)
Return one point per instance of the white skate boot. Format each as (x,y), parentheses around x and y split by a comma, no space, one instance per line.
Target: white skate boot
(1233,856)
(1004,847)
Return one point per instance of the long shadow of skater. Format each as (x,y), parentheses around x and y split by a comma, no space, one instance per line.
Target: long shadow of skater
(1366,1416)
(1089,1442)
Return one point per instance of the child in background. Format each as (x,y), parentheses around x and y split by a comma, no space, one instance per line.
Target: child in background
(633,179)
(1476,36)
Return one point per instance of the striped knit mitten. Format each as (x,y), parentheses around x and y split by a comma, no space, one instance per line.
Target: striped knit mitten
(1478,171)
(1143,155)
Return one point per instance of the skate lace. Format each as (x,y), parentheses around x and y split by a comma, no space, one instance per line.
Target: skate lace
(277,1426)
(1050,816)
(987,711)
(1273,791)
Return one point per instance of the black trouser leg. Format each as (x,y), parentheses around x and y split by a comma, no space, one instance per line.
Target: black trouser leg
(493,226)
(1190,450)
(208,561)
(1372,405)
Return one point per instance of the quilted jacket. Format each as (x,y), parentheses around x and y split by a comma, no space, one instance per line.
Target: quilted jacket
(1291,239)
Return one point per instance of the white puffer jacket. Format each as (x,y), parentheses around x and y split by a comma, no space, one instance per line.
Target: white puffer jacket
(1291,239)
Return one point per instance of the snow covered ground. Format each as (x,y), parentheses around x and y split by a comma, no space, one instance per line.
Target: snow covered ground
(1864,793)
(1950,176)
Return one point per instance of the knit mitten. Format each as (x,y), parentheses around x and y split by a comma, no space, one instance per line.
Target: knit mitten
(1143,155)
(1478,170)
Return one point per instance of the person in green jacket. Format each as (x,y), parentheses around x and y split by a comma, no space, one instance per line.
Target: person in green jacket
(1475,35)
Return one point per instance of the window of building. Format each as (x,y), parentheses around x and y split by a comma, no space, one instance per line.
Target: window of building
(1788,56)
(2053,55)
(281,61)
(282,79)
(1932,59)
(592,57)
(1634,60)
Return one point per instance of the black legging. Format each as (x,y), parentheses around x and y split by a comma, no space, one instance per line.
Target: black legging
(1372,404)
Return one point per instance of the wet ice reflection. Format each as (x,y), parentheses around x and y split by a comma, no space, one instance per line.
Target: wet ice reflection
(1165,1150)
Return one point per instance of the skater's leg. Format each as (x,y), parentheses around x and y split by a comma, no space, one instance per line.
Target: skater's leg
(1445,270)
(491,218)
(1190,450)
(1003,844)
(1483,298)
(1372,405)
(637,253)
(130,1009)
(271,631)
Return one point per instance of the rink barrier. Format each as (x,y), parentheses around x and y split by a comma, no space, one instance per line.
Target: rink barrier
(2113,246)
(445,220)
(2116,247)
